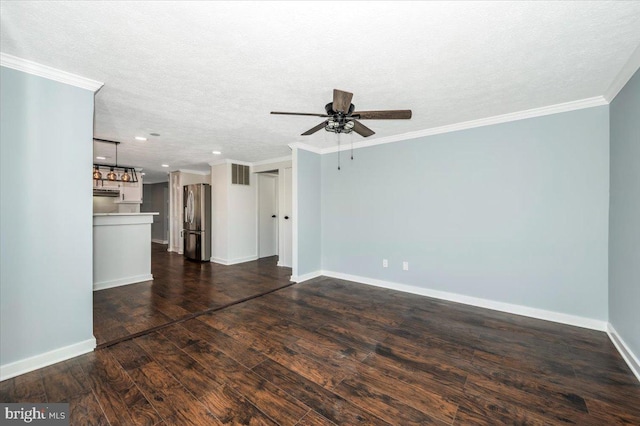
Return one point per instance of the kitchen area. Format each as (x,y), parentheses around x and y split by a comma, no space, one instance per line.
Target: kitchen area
(121,232)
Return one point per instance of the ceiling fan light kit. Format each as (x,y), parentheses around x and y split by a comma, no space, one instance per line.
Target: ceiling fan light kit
(342,117)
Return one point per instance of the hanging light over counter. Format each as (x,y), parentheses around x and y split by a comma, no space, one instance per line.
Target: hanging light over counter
(116,173)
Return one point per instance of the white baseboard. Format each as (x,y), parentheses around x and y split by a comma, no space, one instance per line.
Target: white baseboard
(165,242)
(229,262)
(526,311)
(123,281)
(282,265)
(305,277)
(629,357)
(26,365)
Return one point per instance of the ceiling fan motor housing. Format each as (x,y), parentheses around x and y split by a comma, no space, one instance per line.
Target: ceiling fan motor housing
(339,123)
(329,108)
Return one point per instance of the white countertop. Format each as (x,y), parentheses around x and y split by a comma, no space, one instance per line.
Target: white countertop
(127,214)
(112,219)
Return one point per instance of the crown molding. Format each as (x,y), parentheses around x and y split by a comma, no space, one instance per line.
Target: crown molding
(497,119)
(304,146)
(195,172)
(272,160)
(625,74)
(34,68)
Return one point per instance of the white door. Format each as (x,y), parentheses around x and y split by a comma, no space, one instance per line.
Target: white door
(267,215)
(285,251)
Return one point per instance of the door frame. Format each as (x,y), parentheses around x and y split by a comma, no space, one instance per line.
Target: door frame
(273,175)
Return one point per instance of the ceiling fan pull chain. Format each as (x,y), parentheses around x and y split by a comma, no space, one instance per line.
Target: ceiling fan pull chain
(351,138)
(338,151)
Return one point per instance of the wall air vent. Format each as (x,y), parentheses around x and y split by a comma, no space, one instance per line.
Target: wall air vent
(239,174)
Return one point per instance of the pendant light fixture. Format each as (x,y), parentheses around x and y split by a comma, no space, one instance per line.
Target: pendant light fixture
(112,176)
(129,174)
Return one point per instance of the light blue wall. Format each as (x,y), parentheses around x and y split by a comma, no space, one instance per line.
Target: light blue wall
(624,211)
(308,220)
(45,215)
(514,212)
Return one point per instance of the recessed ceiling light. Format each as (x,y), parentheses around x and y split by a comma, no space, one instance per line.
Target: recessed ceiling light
(141,138)
(165,165)
(142,174)
(101,158)
(216,152)
(154,134)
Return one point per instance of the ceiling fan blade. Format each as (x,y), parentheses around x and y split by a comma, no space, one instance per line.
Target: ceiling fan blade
(341,100)
(394,114)
(300,113)
(361,129)
(315,129)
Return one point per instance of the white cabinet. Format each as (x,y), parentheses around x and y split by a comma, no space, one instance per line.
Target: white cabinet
(131,192)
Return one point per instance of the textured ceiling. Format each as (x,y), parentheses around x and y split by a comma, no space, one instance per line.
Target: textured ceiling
(205,75)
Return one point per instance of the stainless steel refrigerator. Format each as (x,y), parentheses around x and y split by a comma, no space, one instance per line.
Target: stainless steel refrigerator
(196,232)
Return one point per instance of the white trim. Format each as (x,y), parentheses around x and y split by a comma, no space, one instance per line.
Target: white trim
(475,301)
(623,77)
(26,365)
(34,68)
(122,281)
(629,357)
(195,172)
(153,240)
(498,119)
(306,147)
(218,162)
(294,211)
(306,277)
(228,262)
(272,160)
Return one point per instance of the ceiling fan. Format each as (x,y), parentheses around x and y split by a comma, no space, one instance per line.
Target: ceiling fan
(341,116)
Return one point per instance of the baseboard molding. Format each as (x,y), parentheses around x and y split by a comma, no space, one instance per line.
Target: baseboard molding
(526,311)
(282,265)
(26,365)
(164,242)
(306,277)
(228,262)
(123,281)
(629,357)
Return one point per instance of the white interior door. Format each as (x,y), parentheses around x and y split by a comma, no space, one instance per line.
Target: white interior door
(267,215)
(285,249)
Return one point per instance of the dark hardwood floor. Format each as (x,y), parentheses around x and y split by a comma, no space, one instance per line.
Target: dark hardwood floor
(180,289)
(331,352)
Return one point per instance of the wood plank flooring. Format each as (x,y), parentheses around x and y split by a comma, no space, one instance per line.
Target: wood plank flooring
(330,352)
(180,289)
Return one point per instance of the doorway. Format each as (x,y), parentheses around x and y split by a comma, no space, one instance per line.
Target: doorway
(267,214)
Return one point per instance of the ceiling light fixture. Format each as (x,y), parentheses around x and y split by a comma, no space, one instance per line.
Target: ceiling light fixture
(216,152)
(141,138)
(128,173)
(165,165)
(101,158)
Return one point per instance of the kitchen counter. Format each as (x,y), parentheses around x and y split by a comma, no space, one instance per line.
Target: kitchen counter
(121,249)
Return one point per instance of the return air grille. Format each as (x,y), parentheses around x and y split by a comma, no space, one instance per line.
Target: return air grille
(239,174)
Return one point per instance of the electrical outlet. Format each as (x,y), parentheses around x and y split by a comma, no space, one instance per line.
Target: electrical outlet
(405,266)
(385,263)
